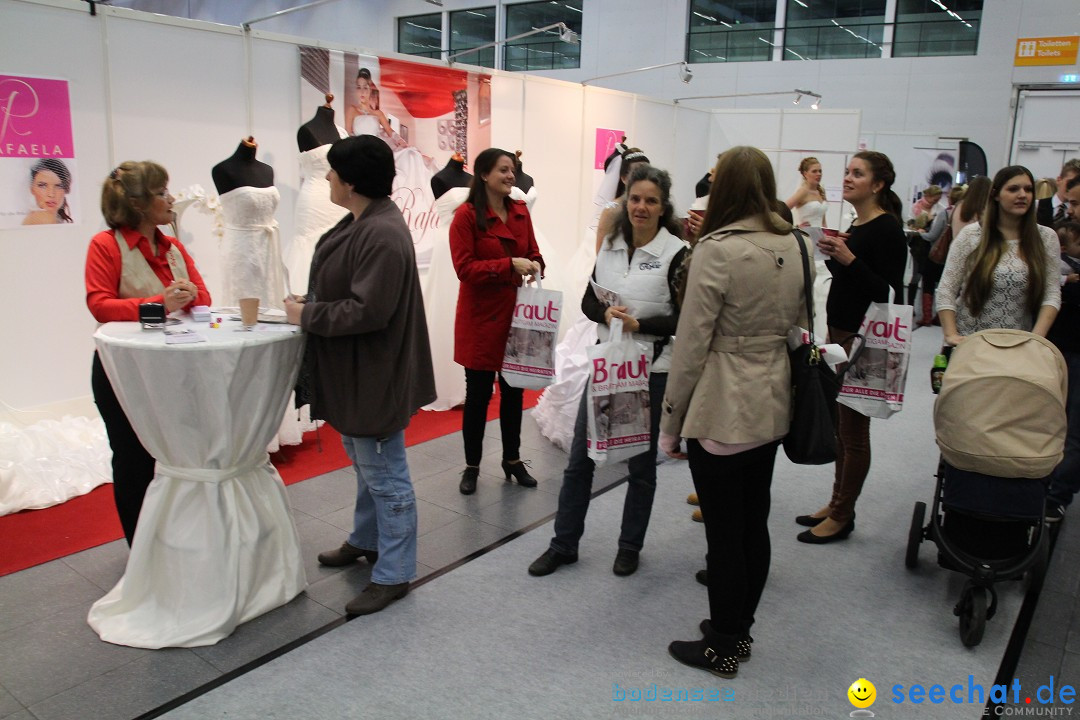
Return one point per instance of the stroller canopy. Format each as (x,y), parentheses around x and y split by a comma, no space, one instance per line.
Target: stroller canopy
(1001,410)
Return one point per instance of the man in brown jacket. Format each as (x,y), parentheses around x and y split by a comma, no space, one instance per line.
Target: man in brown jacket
(369,361)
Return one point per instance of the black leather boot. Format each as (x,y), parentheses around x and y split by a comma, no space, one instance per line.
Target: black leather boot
(468,480)
(520,473)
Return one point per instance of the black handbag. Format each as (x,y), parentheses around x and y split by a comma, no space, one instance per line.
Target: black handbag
(811,439)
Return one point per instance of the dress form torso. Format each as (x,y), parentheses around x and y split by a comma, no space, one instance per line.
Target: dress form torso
(451,176)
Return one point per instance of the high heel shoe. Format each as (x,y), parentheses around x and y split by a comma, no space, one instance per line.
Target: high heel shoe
(842,534)
(520,473)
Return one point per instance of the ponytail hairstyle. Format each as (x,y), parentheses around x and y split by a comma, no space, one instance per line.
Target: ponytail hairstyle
(975,197)
(128,191)
(58,168)
(806,164)
(483,165)
(956,194)
(881,168)
(630,158)
(993,245)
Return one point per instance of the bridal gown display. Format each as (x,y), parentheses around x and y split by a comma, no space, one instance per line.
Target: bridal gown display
(251,248)
(412,185)
(440,288)
(315,214)
(812,214)
(556,410)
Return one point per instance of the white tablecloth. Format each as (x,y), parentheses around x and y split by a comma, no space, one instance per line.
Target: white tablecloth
(215,545)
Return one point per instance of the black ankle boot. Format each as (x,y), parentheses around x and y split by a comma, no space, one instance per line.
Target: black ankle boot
(468,480)
(743,647)
(714,653)
(520,473)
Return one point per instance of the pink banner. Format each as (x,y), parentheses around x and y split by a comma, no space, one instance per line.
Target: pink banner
(35,118)
(606,140)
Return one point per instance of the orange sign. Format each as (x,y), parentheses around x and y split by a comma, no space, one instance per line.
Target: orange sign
(1047,50)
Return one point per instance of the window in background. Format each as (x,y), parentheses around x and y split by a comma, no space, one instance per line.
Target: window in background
(933,27)
(822,29)
(543,51)
(732,31)
(470,28)
(420,35)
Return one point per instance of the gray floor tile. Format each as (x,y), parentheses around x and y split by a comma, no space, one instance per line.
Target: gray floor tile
(447,448)
(35,593)
(49,656)
(21,715)
(432,517)
(546,467)
(314,500)
(8,704)
(456,540)
(442,490)
(1064,572)
(1070,668)
(317,536)
(334,592)
(342,519)
(1050,624)
(422,464)
(517,512)
(103,565)
(1039,662)
(266,633)
(131,690)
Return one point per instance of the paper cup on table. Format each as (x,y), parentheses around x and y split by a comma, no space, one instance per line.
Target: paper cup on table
(249,311)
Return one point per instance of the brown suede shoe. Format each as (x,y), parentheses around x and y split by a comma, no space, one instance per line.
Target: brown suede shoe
(347,555)
(376,597)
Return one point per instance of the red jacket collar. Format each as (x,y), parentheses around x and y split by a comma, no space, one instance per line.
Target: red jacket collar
(132,237)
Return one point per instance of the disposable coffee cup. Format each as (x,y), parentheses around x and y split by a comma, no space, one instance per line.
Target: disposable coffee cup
(830,232)
(249,312)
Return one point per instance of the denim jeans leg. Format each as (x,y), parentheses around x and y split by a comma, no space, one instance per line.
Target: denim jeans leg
(641,487)
(365,534)
(1065,479)
(383,472)
(576,488)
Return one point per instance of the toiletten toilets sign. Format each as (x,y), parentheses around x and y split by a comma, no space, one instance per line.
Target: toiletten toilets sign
(1047,50)
(36,152)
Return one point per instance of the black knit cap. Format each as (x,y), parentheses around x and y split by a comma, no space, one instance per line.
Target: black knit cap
(365,162)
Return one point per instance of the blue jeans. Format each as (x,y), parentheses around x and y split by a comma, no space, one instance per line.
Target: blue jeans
(578,477)
(385,517)
(1065,480)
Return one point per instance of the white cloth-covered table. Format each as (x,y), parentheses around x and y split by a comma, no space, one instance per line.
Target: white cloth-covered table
(216,545)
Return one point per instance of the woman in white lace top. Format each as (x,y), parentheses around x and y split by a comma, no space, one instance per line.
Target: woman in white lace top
(1004,273)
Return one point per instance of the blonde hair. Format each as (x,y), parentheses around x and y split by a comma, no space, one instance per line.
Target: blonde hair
(806,164)
(128,190)
(932,191)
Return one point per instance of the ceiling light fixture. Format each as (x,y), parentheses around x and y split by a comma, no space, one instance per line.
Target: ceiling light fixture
(799,94)
(564,32)
(797,99)
(685,73)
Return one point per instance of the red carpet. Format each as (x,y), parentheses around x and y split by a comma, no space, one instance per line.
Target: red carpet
(33,537)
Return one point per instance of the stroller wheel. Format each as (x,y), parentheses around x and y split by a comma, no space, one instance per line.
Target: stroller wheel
(972,612)
(915,535)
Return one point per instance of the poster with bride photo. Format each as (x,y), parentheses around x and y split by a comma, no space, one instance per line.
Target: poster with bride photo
(425,113)
(37,154)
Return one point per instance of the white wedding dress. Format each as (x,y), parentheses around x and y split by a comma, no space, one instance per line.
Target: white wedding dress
(250,248)
(812,214)
(440,287)
(412,186)
(315,214)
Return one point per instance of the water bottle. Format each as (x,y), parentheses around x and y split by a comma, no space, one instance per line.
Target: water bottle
(937,372)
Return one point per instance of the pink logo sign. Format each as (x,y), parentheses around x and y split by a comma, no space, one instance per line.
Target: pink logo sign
(35,118)
(606,140)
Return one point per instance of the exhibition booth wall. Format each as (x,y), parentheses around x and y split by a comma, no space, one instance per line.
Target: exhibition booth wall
(184,93)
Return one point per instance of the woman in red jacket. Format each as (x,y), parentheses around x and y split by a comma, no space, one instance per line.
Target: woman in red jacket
(131,263)
(494,249)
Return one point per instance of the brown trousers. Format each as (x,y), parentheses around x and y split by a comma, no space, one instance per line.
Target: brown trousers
(852,451)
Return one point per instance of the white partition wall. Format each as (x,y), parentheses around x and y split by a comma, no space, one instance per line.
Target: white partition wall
(184,93)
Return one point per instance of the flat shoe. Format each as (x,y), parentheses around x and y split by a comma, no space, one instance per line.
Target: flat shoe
(808,520)
(809,537)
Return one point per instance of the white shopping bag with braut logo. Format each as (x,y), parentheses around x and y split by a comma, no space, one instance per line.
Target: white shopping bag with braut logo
(874,383)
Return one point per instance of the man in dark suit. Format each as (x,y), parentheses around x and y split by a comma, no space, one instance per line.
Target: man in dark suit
(1054,209)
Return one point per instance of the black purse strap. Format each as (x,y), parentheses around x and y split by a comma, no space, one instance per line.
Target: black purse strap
(808,289)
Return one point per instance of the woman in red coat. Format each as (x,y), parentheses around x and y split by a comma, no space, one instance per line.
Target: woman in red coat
(494,249)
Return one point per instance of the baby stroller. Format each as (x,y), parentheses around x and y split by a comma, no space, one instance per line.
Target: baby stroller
(1000,425)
